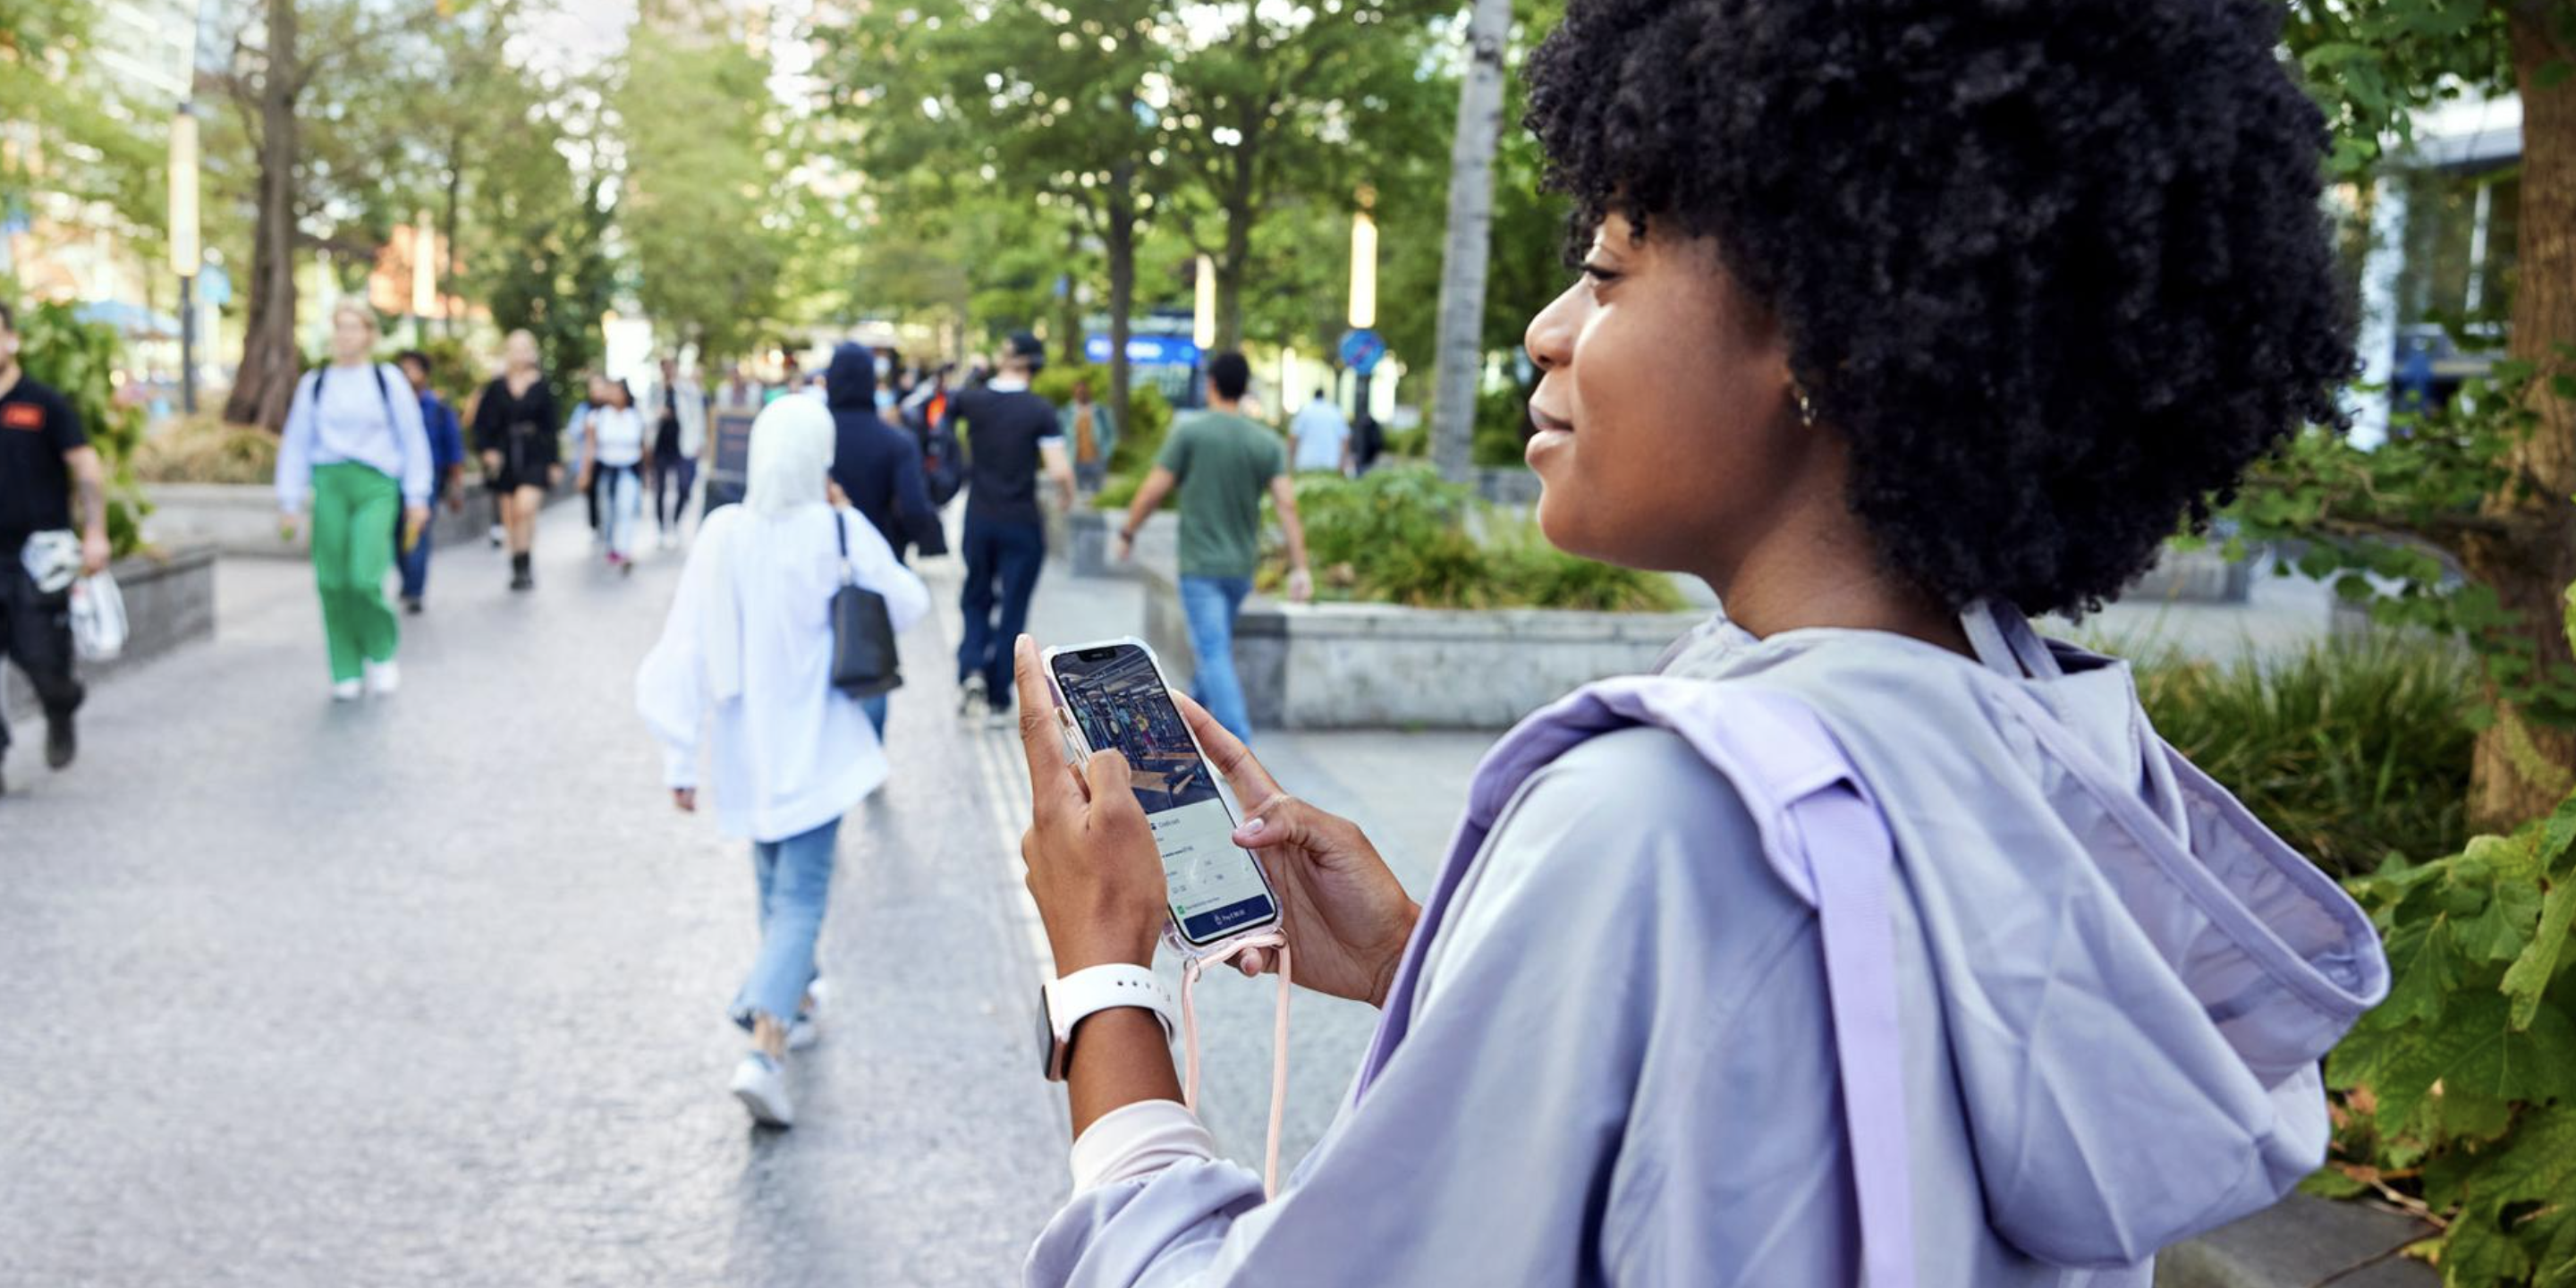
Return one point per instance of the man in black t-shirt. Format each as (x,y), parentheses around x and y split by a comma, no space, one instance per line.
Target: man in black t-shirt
(1008,433)
(44,458)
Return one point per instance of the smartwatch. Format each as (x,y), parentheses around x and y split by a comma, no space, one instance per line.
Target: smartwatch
(1064,1003)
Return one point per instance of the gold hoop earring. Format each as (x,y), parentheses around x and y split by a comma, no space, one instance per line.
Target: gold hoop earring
(1806,405)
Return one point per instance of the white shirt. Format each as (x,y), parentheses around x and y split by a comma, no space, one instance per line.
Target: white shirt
(790,752)
(1319,430)
(620,431)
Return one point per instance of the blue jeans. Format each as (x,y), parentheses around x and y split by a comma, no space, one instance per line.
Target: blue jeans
(795,877)
(415,564)
(1210,604)
(1010,554)
(876,709)
(621,505)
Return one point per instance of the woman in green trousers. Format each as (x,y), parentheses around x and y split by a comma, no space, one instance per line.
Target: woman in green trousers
(359,453)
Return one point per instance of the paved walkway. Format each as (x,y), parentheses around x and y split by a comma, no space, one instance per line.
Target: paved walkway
(431,990)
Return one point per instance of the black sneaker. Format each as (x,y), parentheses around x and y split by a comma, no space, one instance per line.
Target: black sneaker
(411,605)
(61,745)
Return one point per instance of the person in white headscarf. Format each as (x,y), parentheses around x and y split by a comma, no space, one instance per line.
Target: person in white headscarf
(749,640)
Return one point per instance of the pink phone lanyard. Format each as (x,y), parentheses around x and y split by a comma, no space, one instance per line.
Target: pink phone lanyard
(1190,969)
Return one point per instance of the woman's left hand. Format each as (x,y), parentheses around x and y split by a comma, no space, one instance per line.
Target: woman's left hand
(1092,864)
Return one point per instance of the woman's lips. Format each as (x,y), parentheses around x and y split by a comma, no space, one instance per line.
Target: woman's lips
(1547,433)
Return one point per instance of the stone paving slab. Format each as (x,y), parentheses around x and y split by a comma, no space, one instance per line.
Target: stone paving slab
(432,990)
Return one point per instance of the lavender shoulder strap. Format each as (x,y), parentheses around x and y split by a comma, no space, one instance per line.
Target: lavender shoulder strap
(1821,832)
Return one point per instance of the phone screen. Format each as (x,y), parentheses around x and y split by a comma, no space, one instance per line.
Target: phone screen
(1117,697)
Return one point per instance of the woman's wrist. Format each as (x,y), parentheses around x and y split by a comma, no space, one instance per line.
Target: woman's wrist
(1104,948)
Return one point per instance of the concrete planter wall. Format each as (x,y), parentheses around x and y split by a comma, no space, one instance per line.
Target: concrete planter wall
(241,518)
(1381,666)
(169,602)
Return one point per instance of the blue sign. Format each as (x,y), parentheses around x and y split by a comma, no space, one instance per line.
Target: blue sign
(1362,349)
(1146,350)
(214,285)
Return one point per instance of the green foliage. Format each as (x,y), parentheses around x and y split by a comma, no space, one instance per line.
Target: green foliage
(2385,526)
(88,134)
(1140,438)
(1400,535)
(698,182)
(2352,751)
(207,449)
(79,360)
(2460,1090)
(1502,425)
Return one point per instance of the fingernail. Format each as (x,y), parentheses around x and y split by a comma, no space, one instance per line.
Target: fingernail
(1254,827)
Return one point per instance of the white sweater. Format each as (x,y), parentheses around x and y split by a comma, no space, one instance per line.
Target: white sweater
(750,639)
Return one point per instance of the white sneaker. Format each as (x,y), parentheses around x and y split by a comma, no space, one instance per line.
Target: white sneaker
(970,694)
(761,1086)
(383,678)
(344,690)
(808,1027)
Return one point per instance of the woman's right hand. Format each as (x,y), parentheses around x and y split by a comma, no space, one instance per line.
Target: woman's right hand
(1345,914)
(491,464)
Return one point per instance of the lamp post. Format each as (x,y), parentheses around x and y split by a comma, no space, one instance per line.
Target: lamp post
(186,255)
(1363,313)
(1203,316)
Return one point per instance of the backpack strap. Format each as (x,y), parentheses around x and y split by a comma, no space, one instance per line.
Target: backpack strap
(1822,834)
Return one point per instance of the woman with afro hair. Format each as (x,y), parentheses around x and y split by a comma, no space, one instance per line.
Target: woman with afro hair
(1873,939)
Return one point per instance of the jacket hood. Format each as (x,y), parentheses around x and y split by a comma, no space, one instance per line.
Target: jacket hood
(850,382)
(2137,978)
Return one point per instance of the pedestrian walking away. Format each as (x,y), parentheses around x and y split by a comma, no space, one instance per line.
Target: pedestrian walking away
(355,449)
(1222,462)
(514,429)
(679,434)
(1872,938)
(447,468)
(878,469)
(749,643)
(1090,435)
(612,465)
(1010,436)
(46,466)
(587,481)
(1322,437)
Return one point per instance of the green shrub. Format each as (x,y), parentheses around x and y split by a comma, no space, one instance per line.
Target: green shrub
(204,449)
(79,359)
(2457,1096)
(1502,426)
(1400,535)
(2352,751)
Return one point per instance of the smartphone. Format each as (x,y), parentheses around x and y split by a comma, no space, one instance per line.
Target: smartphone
(1112,694)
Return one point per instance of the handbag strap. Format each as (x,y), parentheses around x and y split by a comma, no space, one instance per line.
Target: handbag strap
(849,575)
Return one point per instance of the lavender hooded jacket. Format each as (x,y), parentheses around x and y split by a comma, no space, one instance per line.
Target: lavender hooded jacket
(2113,986)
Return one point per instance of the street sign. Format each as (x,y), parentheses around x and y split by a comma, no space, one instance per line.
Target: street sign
(214,285)
(1362,349)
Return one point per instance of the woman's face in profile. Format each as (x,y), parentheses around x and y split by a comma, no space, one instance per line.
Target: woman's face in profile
(1667,434)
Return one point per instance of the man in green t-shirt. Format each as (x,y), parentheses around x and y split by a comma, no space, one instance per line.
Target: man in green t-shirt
(1222,461)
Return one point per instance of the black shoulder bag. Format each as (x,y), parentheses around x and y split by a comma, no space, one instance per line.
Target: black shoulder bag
(864,662)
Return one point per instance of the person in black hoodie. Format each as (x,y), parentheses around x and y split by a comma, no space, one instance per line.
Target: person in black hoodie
(878,467)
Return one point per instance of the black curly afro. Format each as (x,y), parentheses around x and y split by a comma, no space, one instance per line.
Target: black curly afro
(2058,268)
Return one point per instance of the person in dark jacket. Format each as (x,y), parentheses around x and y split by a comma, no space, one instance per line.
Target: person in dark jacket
(877,465)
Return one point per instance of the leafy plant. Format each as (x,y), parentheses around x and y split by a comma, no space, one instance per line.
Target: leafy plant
(206,449)
(2457,1096)
(2352,751)
(1401,535)
(79,360)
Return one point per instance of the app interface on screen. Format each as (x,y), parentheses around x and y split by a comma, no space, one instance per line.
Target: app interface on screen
(1119,702)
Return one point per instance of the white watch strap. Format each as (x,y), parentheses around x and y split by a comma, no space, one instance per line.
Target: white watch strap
(1074,997)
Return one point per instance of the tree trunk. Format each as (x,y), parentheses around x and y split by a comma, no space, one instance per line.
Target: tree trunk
(1461,357)
(1121,253)
(2522,763)
(1069,309)
(1243,185)
(270,362)
(447,246)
